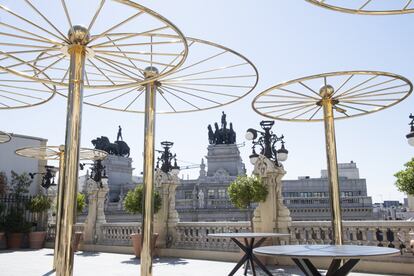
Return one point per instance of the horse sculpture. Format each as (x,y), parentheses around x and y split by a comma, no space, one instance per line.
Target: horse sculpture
(119,148)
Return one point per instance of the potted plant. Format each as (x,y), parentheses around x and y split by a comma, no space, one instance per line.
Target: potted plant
(80,205)
(3,240)
(38,205)
(246,190)
(3,189)
(16,226)
(133,205)
(14,221)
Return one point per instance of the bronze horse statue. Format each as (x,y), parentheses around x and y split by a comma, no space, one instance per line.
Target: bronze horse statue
(119,148)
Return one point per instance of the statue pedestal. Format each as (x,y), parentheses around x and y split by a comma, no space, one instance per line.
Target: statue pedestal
(96,214)
(224,157)
(119,172)
(271,215)
(167,217)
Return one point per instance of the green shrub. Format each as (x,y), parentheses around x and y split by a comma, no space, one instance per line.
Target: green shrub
(80,202)
(39,203)
(15,222)
(246,190)
(405,178)
(134,200)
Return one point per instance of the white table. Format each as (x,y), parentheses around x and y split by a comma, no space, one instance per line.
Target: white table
(300,254)
(247,247)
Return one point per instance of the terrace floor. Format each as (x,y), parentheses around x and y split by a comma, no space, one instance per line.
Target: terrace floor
(39,263)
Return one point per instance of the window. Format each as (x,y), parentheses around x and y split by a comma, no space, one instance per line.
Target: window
(188,195)
(211,194)
(222,193)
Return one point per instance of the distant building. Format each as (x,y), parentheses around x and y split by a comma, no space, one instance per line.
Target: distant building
(308,198)
(10,161)
(391,203)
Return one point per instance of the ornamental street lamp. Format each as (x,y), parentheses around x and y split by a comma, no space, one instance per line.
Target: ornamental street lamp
(267,141)
(166,159)
(48,178)
(410,136)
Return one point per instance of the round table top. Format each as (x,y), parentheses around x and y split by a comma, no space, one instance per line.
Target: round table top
(332,251)
(247,235)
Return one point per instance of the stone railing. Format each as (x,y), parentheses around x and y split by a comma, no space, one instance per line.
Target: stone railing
(194,235)
(382,233)
(51,230)
(118,233)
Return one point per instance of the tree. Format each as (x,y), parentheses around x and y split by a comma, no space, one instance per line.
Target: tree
(405,178)
(39,205)
(246,190)
(20,183)
(3,183)
(134,200)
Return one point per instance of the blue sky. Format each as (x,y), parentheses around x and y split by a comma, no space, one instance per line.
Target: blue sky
(285,40)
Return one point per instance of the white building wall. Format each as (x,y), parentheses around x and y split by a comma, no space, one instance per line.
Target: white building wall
(10,161)
(348,170)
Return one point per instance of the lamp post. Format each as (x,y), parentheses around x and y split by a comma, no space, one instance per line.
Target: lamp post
(48,178)
(167,157)
(410,136)
(267,141)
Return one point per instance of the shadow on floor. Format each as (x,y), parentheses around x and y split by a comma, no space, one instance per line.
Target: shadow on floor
(171,261)
(158,261)
(87,254)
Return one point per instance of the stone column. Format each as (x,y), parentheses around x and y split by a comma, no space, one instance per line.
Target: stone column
(96,215)
(410,199)
(271,215)
(165,221)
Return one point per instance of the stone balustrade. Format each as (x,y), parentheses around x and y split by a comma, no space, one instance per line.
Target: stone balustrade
(194,235)
(51,230)
(382,233)
(118,233)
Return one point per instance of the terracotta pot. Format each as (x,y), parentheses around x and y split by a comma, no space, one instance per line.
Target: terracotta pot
(136,243)
(3,240)
(76,241)
(14,240)
(37,239)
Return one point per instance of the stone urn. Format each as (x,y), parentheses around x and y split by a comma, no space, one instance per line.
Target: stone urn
(37,239)
(137,242)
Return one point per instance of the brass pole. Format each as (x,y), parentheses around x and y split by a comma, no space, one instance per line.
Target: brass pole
(77,52)
(328,103)
(59,204)
(149,137)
